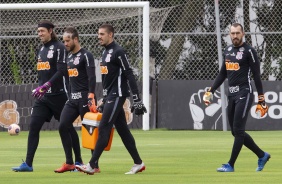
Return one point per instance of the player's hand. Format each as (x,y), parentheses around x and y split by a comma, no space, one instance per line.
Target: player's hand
(40,91)
(91,103)
(138,107)
(207,98)
(262,108)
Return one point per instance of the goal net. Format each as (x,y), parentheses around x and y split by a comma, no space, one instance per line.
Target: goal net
(19,40)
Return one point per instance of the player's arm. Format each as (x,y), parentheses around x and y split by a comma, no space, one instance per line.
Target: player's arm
(61,64)
(254,62)
(90,70)
(219,78)
(255,68)
(208,96)
(123,61)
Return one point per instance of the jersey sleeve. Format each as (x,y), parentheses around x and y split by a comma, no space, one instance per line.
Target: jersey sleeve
(90,69)
(220,77)
(61,64)
(255,68)
(123,61)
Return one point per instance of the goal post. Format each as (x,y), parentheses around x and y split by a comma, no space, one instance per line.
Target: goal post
(89,5)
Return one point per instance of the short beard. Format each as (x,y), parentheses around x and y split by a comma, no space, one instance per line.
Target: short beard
(72,48)
(239,43)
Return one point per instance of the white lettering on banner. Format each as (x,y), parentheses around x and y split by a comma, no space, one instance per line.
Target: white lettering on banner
(270,97)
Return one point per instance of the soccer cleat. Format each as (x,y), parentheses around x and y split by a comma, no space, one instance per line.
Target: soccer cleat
(23,168)
(97,170)
(225,168)
(262,161)
(137,168)
(86,169)
(65,167)
(77,163)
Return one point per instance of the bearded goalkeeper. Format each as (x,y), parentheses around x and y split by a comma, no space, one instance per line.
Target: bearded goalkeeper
(240,60)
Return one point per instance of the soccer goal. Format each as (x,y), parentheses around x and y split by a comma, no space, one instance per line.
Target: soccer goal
(130,19)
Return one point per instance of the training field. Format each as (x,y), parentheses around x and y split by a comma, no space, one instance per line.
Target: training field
(171,157)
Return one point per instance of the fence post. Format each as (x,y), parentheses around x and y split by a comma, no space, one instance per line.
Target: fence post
(219,52)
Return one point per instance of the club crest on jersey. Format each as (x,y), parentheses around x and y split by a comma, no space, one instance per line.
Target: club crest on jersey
(50,54)
(76,60)
(239,55)
(108,58)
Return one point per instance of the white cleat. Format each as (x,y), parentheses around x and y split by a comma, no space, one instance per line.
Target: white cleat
(85,168)
(137,168)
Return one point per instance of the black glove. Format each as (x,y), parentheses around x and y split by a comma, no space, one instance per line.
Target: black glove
(100,108)
(138,106)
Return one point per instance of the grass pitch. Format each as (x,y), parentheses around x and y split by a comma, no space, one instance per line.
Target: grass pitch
(170,156)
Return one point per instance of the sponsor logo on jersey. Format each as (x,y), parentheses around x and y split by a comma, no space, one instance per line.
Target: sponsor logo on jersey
(234,89)
(50,54)
(43,65)
(110,51)
(78,54)
(76,60)
(239,55)
(51,47)
(232,54)
(104,69)
(232,66)
(76,96)
(73,72)
(229,48)
(241,49)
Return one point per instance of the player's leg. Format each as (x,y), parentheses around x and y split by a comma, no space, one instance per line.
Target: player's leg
(40,113)
(263,157)
(112,107)
(68,115)
(230,114)
(110,113)
(243,105)
(75,145)
(59,102)
(129,142)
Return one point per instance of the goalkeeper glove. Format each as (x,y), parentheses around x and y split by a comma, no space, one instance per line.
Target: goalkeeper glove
(138,107)
(91,103)
(208,96)
(262,108)
(40,91)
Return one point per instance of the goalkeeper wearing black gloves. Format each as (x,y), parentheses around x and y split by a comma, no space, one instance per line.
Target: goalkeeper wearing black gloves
(116,75)
(239,61)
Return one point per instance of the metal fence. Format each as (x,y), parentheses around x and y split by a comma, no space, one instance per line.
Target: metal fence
(183,41)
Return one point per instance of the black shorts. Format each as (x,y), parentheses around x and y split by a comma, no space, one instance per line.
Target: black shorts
(74,108)
(49,106)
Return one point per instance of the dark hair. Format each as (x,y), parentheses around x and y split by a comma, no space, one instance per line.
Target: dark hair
(108,27)
(48,25)
(238,24)
(72,31)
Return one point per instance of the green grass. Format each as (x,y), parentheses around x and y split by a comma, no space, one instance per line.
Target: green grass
(170,156)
